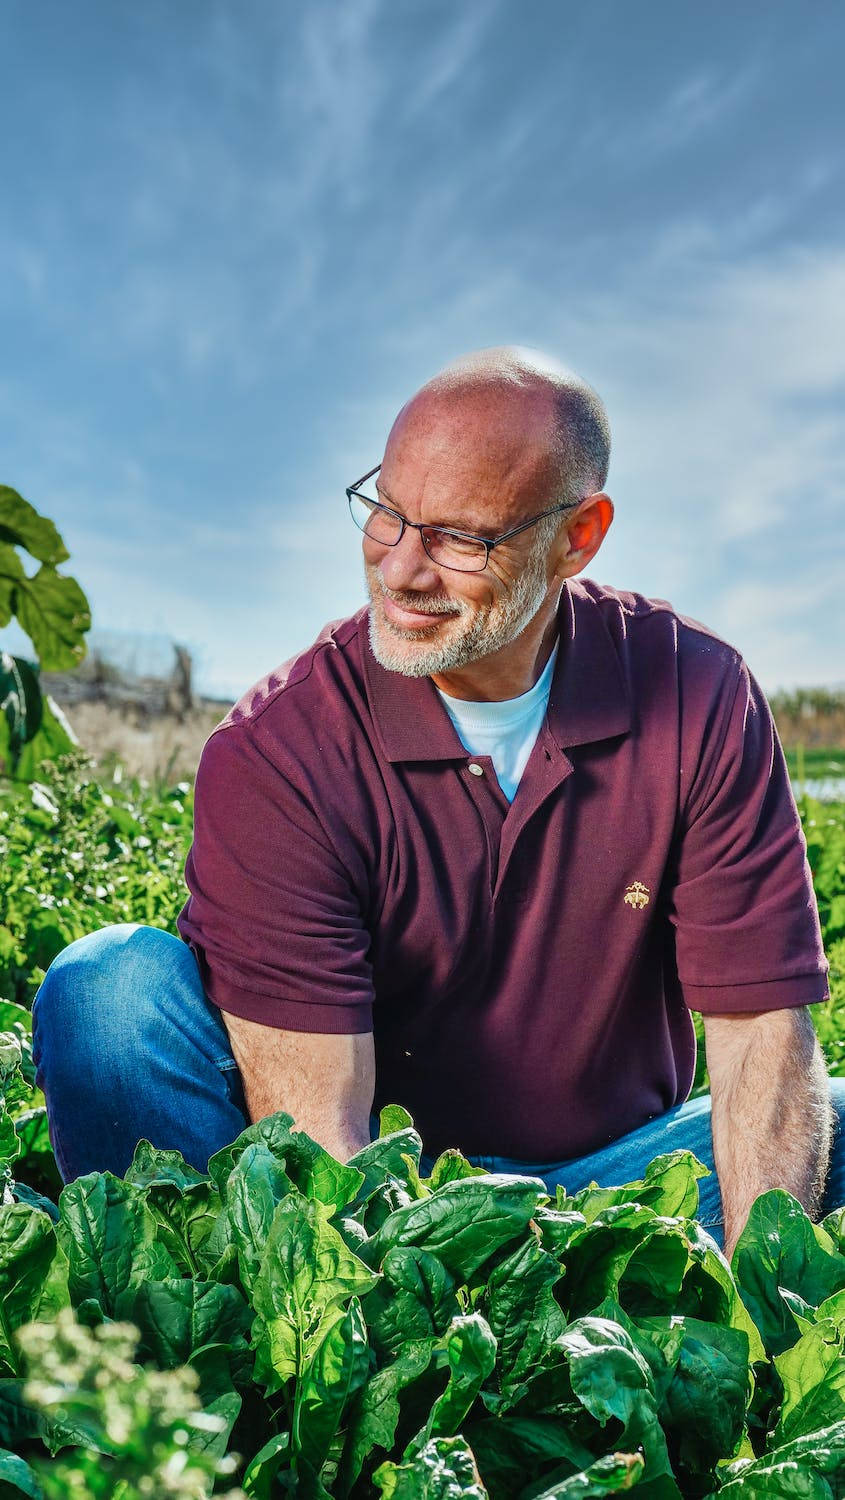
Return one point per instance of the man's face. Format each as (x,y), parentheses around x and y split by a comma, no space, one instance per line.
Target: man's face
(426,619)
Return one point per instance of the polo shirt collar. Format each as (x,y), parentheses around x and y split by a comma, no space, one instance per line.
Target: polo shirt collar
(588,699)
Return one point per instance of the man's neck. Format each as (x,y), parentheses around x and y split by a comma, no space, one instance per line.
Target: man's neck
(508,674)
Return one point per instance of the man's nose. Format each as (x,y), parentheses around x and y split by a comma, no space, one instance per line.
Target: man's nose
(408,565)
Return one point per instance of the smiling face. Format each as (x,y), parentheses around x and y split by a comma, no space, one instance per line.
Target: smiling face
(480,461)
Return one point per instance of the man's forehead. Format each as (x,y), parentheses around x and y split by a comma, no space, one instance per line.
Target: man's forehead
(495,449)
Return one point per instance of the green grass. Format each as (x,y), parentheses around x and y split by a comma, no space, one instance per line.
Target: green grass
(815,763)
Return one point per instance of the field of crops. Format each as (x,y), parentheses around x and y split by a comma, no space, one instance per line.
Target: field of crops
(289,1325)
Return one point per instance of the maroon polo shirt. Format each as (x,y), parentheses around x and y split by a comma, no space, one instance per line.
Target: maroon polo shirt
(528,970)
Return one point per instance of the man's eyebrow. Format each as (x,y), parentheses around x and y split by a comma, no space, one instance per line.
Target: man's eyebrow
(481,530)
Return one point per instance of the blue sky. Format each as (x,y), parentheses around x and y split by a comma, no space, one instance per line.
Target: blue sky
(236,237)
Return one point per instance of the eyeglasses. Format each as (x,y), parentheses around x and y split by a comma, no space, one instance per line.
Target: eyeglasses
(446,547)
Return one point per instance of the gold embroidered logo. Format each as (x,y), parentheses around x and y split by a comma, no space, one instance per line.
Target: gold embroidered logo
(637,895)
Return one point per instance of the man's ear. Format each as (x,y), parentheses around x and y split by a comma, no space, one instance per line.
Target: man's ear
(585,531)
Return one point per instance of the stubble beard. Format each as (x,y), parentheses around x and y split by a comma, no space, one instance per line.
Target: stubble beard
(487,631)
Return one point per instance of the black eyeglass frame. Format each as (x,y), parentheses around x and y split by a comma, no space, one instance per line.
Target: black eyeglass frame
(488,543)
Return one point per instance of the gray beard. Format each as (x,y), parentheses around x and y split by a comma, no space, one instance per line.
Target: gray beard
(487,633)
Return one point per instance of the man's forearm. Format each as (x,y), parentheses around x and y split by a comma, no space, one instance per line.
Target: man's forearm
(771,1115)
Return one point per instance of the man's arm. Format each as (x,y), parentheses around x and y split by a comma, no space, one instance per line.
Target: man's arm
(771,1116)
(326,1082)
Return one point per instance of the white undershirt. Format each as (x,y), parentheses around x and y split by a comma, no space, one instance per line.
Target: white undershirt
(505,730)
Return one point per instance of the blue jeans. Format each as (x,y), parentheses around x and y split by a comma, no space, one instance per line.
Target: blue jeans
(127,1047)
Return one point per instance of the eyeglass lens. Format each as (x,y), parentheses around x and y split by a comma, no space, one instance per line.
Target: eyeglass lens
(442,547)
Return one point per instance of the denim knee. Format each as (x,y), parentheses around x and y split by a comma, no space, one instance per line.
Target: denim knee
(106,992)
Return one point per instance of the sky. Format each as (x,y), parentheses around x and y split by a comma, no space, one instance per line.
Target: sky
(238,236)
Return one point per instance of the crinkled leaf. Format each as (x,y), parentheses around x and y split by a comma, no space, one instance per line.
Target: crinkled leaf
(612,1380)
(608,1475)
(178,1317)
(444,1470)
(393,1118)
(451,1166)
(415,1299)
(463,1224)
(778,1481)
(384,1161)
(822,1452)
(522,1310)
(703,1405)
(256,1186)
(312,1170)
(629,1253)
(150,1164)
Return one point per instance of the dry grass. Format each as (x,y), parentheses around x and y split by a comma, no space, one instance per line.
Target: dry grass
(158,748)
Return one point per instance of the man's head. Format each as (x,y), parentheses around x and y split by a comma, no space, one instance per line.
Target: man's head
(492,441)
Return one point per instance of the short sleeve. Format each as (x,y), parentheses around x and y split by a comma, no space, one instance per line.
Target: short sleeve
(747,935)
(272,916)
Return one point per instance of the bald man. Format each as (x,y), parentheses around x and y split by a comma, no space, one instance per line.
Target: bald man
(482,850)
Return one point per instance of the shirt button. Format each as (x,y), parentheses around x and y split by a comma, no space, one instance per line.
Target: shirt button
(475,769)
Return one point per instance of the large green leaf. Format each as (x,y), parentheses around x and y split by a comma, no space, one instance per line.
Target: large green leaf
(336,1370)
(17,1478)
(522,1310)
(254,1189)
(630,1253)
(179,1317)
(463,1223)
(703,1406)
(22,526)
(375,1415)
(470,1348)
(613,1381)
(778,1481)
(151,1165)
(27,1251)
(313,1171)
(306,1275)
(821,1453)
(110,1238)
(813,1376)
(384,1162)
(53,611)
(780,1247)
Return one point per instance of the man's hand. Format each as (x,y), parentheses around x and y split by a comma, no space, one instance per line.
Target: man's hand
(771,1110)
(326,1082)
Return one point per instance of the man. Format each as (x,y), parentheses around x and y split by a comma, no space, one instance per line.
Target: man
(479,850)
